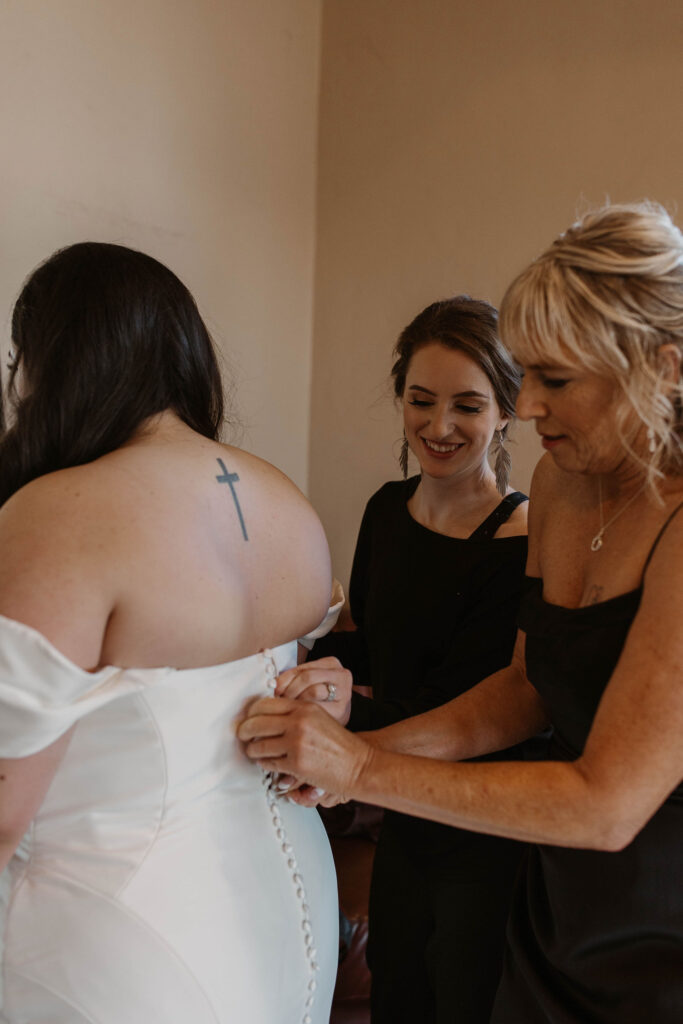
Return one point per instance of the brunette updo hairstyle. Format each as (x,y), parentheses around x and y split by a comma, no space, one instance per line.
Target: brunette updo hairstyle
(466,325)
(104,337)
(606,296)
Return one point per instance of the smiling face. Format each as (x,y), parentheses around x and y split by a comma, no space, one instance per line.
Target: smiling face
(576,416)
(450,412)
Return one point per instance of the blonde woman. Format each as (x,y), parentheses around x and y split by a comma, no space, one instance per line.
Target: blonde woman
(596,927)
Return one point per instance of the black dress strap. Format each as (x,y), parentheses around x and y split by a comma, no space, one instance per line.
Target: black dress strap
(659,537)
(501,513)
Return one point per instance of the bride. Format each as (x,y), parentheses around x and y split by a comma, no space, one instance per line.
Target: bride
(151,583)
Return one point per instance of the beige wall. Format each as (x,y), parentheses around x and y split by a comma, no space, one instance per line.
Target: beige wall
(456,140)
(188,130)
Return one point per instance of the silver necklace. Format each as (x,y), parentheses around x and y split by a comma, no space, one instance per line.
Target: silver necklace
(596,543)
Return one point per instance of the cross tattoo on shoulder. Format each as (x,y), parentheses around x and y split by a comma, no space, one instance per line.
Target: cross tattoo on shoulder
(231,479)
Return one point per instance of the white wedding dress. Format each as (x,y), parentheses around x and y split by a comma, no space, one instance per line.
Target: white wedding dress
(162,881)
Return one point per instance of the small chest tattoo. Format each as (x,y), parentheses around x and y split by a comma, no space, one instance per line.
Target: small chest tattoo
(594,594)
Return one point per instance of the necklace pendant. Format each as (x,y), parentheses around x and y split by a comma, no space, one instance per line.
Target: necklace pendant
(596,543)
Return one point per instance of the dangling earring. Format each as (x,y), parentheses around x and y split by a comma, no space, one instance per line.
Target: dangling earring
(651,440)
(502,464)
(403,457)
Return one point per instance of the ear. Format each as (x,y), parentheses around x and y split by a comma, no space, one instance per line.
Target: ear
(502,424)
(669,359)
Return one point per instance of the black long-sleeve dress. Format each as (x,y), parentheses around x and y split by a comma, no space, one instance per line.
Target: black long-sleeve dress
(435,615)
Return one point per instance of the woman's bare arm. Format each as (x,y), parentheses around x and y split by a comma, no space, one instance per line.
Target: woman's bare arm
(44,585)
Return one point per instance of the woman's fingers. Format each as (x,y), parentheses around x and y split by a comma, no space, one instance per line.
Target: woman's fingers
(331,800)
(285,783)
(264,727)
(298,739)
(263,713)
(321,680)
(324,691)
(306,796)
(270,765)
(325,681)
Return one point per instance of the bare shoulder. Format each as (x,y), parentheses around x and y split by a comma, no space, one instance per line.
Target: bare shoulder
(47,514)
(543,487)
(264,473)
(287,521)
(49,576)
(663,578)
(548,482)
(659,614)
(283,496)
(554,490)
(550,495)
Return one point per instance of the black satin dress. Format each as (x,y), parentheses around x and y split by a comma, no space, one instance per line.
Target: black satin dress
(593,937)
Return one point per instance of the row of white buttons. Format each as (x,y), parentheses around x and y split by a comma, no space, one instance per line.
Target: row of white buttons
(288,851)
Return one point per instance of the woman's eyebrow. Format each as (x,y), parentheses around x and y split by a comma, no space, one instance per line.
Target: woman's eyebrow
(472,394)
(458,394)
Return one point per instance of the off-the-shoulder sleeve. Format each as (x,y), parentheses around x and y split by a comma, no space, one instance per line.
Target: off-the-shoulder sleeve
(42,693)
(336,605)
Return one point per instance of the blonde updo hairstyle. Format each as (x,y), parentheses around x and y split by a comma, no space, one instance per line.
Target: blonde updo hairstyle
(606,296)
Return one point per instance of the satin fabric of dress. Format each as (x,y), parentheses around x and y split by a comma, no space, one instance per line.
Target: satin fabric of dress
(155,885)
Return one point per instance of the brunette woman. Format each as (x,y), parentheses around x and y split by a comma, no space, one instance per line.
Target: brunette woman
(435,586)
(152,581)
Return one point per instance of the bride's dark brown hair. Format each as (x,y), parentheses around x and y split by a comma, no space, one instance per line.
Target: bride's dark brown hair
(104,337)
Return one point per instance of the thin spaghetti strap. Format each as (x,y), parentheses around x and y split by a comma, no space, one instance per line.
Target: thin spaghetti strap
(658,538)
(500,515)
